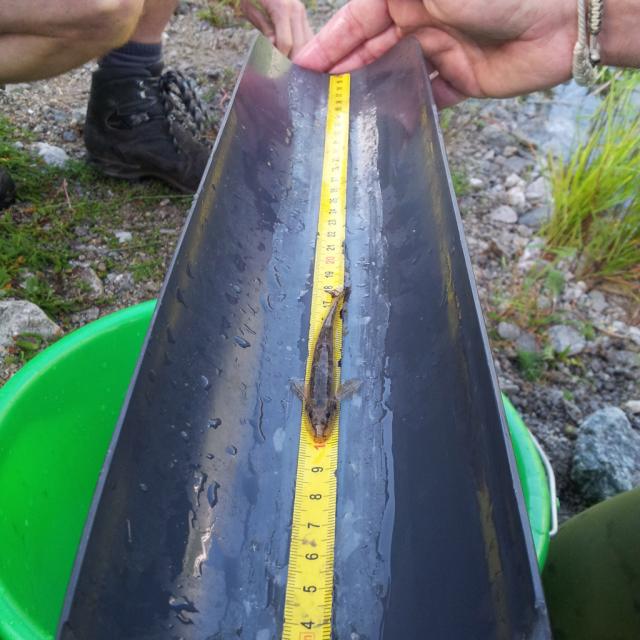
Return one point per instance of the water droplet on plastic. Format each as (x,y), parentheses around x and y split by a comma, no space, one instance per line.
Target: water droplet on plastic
(199,479)
(143,487)
(184,435)
(241,342)
(210,456)
(214,423)
(204,383)
(232,450)
(212,494)
(180,297)
(182,606)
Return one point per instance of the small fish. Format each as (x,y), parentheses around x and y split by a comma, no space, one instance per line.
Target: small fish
(319,395)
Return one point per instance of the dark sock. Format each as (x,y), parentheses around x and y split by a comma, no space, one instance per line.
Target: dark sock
(133,55)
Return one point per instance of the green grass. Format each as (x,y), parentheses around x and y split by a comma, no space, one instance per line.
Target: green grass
(221,14)
(524,305)
(460,182)
(596,193)
(532,365)
(226,13)
(38,234)
(25,347)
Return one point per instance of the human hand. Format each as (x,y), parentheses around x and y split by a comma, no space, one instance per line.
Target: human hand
(284,22)
(482,49)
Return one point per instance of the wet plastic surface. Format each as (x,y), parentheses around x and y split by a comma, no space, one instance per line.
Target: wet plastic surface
(189,533)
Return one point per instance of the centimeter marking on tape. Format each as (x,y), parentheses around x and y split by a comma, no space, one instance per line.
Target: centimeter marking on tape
(309,595)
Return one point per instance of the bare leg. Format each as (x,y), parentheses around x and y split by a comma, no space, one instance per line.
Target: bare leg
(154,19)
(39,38)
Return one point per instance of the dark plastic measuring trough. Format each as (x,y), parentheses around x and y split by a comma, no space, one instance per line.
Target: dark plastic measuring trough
(189,532)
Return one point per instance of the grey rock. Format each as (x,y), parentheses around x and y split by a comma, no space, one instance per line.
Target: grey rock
(566,339)
(508,331)
(516,198)
(526,342)
(623,330)
(504,214)
(606,460)
(509,151)
(496,135)
(120,281)
(517,164)
(123,236)
(69,136)
(476,183)
(572,410)
(507,385)
(624,359)
(554,397)
(633,407)
(575,292)
(537,190)
(531,256)
(77,115)
(513,180)
(544,302)
(536,217)
(88,283)
(50,154)
(597,301)
(19,317)
(58,116)
(88,315)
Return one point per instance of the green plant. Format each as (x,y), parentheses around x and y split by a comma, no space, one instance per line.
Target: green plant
(460,182)
(532,303)
(221,14)
(534,364)
(25,346)
(531,364)
(596,193)
(38,235)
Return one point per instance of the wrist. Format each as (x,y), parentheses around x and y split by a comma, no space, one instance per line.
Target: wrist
(619,42)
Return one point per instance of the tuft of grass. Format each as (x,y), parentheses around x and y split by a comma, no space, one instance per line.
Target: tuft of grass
(596,193)
(226,13)
(533,303)
(532,365)
(38,236)
(460,182)
(150,269)
(221,14)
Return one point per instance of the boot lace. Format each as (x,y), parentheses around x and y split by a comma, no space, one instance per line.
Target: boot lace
(182,105)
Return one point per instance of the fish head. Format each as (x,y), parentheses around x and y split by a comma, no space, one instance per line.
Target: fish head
(320,418)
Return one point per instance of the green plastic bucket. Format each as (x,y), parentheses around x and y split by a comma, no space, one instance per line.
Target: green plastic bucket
(57,417)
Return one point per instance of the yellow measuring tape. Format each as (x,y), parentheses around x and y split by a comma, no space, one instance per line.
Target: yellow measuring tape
(309,597)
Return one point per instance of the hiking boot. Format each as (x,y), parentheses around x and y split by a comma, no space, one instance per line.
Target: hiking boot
(7,189)
(143,124)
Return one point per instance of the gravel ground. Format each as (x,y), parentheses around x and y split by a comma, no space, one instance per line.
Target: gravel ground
(494,156)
